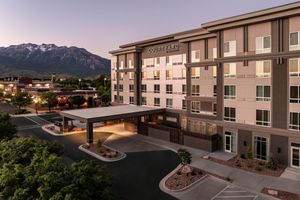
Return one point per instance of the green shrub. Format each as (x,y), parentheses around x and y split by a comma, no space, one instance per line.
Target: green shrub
(272,164)
(258,167)
(99,143)
(250,154)
(185,156)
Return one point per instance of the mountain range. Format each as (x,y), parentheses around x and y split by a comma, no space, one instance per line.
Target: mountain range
(43,60)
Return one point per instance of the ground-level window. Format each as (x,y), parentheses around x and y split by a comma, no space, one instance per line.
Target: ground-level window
(294,121)
(121,99)
(144,101)
(260,147)
(196,126)
(230,142)
(295,155)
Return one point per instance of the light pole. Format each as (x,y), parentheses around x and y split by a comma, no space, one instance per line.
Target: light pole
(35,104)
(105,82)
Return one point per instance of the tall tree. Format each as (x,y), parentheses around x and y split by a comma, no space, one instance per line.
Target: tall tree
(7,129)
(78,100)
(49,99)
(21,99)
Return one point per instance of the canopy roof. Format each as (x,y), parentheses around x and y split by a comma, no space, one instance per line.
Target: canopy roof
(110,113)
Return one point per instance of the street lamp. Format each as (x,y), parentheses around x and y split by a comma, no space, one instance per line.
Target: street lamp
(35,103)
(105,82)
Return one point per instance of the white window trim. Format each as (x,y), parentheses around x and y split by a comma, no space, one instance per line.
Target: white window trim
(292,125)
(262,99)
(232,48)
(294,73)
(230,75)
(268,123)
(263,50)
(230,97)
(194,53)
(267,149)
(294,47)
(195,111)
(263,75)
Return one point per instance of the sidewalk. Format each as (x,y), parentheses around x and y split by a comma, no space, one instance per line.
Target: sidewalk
(252,181)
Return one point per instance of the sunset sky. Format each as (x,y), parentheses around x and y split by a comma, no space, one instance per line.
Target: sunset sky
(102,25)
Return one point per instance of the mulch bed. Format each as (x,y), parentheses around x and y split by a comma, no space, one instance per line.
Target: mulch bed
(281,194)
(103,151)
(180,180)
(251,165)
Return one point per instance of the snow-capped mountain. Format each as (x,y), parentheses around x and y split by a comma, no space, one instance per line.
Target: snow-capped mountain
(49,58)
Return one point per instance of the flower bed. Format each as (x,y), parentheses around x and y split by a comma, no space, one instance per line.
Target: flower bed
(104,151)
(280,194)
(252,165)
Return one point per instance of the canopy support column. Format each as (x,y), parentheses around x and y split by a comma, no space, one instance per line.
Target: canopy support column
(89,132)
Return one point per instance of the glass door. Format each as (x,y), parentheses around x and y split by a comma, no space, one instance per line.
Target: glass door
(295,153)
(228,142)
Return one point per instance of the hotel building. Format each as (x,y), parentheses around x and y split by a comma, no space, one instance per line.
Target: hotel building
(231,84)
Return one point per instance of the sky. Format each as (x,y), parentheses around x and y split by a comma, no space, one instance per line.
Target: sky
(102,25)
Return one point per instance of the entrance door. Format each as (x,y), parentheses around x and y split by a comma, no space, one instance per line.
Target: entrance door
(295,153)
(228,142)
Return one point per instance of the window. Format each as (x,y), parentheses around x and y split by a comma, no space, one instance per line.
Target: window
(131,100)
(196,126)
(214,71)
(131,75)
(183,89)
(183,73)
(263,117)
(230,48)
(156,101)
(263,68)
(295,94)
(229,92)
(184,105)
(195,90)
(115,87)
(121,99)
(168,60)
(229,70)
(156,74)
(130,63)
(294,67)
(157,61)
(263,44)
(195,72)
(121,88)
(294,121)
(263,93)
(260,148)
(144,75)
(196,56)
(121,65)
(215,109)
(215,90)
(144,101)
(169,89)
(131,88)
(144,88)
(156,88)
(195,107)
(169,103)
(229,114)
(121,76)
(214,53)
(295,41)
(168,74)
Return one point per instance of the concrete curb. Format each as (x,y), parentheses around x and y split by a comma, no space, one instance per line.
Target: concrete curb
(59,135)
(123,155)
(163,187)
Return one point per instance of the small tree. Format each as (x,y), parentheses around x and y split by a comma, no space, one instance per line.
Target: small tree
(49,99)
(7,129)
(78,100)
(21,100)
(185,156)
(105,98)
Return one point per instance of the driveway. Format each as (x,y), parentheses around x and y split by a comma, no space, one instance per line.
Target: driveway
(136,177)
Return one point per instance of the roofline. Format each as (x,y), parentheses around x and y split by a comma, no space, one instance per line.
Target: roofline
(254,14)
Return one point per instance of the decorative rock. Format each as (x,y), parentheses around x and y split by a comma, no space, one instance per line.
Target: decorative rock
(206,157)
(186,169)
(273,192)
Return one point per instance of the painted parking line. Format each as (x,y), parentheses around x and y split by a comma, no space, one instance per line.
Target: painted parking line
(236,193)
(21,128)
(38,120)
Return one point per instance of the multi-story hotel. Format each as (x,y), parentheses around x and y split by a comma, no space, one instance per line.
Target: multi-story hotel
(232,84)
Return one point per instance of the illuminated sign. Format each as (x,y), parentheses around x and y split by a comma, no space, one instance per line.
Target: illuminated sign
(164,48)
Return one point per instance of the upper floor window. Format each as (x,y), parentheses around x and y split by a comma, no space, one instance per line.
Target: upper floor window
(229,70)
(144,88)
(121,76)
(215,53)
(169,74)
(196,56)
(215,90)
(295,94)
(144,101)
(121,65)
(121,100)
(156,88)
(263,44)
(263,117)
(263,93)
(144,75)
(229,114)
(229,92)
(121,88)
(156,101)
(115,87)
(214,108)
(131,100)
(184,105)
(295,41)
(294,67)
(263,68)
(156,74)
(131,88)
(131,75)
(168,60)
(195,72)
(195,90)
(130,64)
(183,73)
(195,106)
(214,71)
(230,48)
(169,103)
(169,89)
(294,121)
(157,61)
(183,89)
